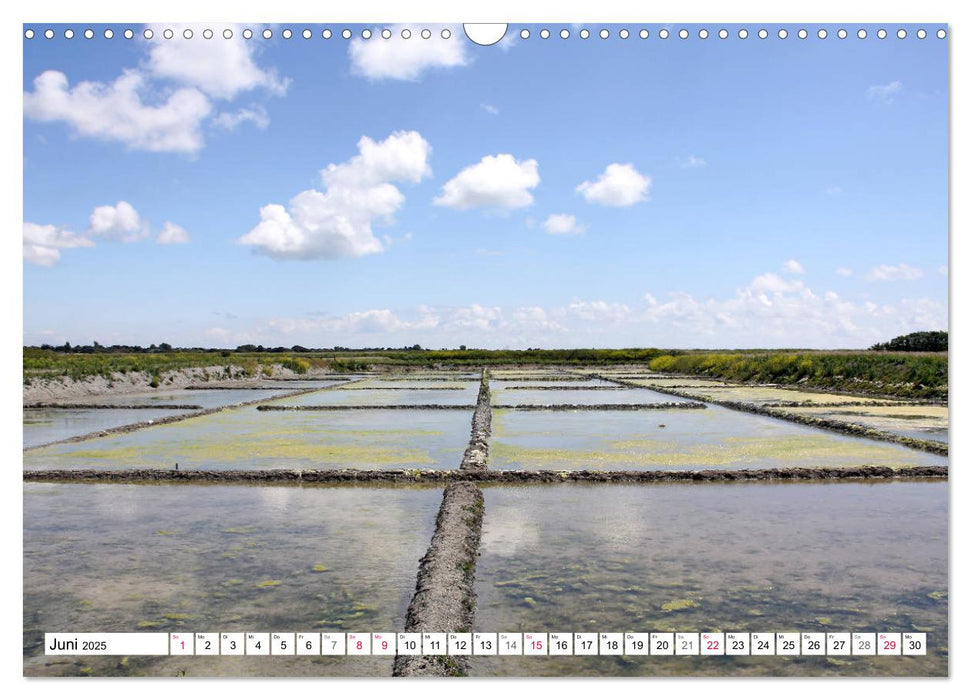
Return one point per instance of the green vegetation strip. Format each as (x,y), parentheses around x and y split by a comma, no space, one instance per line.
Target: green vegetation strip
(911,375)
(131,427)
(485,476)
(104,406)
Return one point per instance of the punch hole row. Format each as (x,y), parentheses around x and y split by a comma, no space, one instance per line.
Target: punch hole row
(446,33)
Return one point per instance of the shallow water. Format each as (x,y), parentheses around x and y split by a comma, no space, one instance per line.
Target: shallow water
(45,425)
(430,393)
(715,438)
(249,439)
(706,557)
(125,558)
(760,395)
(556,385)
(913,421)
(579,396)
(207,398)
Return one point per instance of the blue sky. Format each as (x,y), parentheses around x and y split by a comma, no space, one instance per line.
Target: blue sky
(557,192)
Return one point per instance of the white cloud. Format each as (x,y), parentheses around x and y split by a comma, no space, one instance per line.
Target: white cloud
(255,113)
(498,181)
(884,94)
(773,284)
(794,267)
(116,112)
(358,192)
(172,234)
(844,272)
(42,243)
(887,273)
(833,190)
(402,157)
(563,225)
(694,161)
(769,311)
(162,105)
(598,311)
(491,109)
(119,223)
(406,59)
(221,68)
(620,185)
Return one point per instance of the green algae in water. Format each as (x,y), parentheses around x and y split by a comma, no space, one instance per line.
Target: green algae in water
(246,438)
(860,556)
(710,438)
(371,578)
(268,584)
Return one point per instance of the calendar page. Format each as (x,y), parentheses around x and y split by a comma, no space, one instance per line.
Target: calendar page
(526,349)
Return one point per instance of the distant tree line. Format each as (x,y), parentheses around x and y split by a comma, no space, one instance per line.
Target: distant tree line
(96,347)
(922,341)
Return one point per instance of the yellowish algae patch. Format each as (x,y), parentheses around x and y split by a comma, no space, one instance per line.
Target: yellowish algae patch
(279,449)
(810,449)
(319,568)
(902,417)
(246,435)
(681,604)
(268,584)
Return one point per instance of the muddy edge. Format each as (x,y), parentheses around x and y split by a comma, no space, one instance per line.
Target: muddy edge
(132,427)
(444,599)
(375,477)
(111,406)
(476,457)
(836,426)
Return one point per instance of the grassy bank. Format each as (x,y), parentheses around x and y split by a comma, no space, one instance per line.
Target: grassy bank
(78,365)
(910,375)
(46,363)
(914,375)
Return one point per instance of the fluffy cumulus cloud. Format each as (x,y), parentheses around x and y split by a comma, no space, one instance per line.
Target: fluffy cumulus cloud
(43,243)
(120,222)
(794,267)
(162,105)
(884,94)
(221,68)
(890,273)
(337,222)
(495,182)
(116,112)
(563,225)
(172,234)
(768,311)
(774,312)
(397,58)
(620,185)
